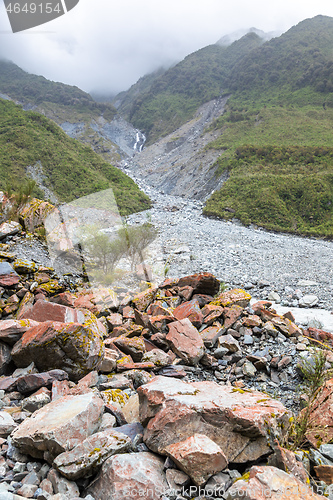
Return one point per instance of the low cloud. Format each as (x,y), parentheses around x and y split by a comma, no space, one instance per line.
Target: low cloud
(106,46)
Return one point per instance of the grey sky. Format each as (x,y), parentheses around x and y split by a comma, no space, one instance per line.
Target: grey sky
(107,45)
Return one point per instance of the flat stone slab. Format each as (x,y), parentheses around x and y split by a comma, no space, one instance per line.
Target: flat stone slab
(59,426)
(239,421)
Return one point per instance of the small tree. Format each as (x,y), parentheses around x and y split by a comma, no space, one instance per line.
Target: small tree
(135,239)
(104,250)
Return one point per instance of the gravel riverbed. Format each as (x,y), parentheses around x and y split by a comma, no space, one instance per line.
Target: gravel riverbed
(250,257)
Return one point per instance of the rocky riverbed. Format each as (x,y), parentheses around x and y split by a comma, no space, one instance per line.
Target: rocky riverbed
(261,261)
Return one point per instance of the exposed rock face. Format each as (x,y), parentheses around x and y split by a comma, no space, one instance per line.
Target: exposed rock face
(240,422)
(137,476)
(72,347)
(59,426)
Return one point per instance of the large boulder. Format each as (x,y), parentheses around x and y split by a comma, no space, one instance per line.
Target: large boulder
(59,426)
(73,347)
(242,423)
(130,475)
(185,341)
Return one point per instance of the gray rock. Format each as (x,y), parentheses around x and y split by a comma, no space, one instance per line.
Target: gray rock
(87,456)
(308,301)
(327,451)
(7,424)
(59,426)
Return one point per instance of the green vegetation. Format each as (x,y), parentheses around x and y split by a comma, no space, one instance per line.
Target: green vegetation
(71,169)
(272,182)
(32,89)
(174,96)
(315,375)
(277,135)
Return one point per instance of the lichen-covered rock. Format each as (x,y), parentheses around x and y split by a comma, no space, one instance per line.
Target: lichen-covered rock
(34,213)
(135,346)
(86,457)
(22,266)
(130,475)
(236,296)
(142,300)
(73,347)
(241,422)
(59,426)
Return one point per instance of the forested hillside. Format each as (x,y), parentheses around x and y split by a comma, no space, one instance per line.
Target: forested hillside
(72,170)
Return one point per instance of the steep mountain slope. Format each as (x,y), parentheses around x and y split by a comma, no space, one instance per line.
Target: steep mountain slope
(93,123)
(29,140)
(176,95)
(271,146)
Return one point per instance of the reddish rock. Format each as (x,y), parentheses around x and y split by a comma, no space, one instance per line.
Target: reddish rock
(26,305)
(322,413)
(59,426)
(135,347)
(202,299)
(251,321)
(65,299)
(229,342)
(267,482)
(205,283)
(321,335)
(156,309)
(158,323)
(72,347)
(240,422)
(60,388)
(324,473)
(211,334)
(231,315)
(211,313)
(113,320)
(8,277)
(186,292)
(233,297)
(11,330)
(33,381)
(135,366)
(130,475)
(8,383)
(128,312)
(185,341)
(190,310)
(141,318)
(198,456)
(257,307)
(50,311)
(286,460)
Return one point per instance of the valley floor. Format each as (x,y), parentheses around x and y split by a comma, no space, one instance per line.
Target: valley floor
(263,261)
